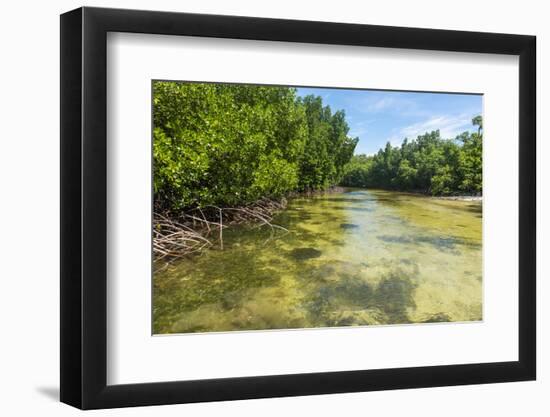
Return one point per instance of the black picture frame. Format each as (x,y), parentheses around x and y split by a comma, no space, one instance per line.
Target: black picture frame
(84,207)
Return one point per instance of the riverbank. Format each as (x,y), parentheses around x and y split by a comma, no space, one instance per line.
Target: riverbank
(193,230)
(466,197)
(460,198)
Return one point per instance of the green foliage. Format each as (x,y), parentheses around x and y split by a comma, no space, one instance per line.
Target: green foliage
(357,173)
(328,147)
(429,164)
(223,144)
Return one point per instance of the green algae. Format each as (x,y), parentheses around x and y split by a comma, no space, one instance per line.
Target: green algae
(363,257)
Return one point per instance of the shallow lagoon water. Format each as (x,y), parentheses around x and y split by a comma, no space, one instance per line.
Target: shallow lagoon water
(362,257)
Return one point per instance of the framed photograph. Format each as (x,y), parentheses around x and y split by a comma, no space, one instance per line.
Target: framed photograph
(256,208)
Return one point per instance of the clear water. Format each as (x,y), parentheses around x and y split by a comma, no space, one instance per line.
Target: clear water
(363,257)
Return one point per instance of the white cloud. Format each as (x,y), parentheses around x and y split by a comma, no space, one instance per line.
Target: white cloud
(360,128)
(397,104)
(382,104)
(449,127)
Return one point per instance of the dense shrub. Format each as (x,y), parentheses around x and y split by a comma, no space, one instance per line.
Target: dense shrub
(225,144)
(428,164)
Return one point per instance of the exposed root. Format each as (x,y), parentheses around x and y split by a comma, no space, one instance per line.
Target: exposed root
(196,229)
(172,239)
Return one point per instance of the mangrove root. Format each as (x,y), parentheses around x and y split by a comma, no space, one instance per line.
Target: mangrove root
(194,230)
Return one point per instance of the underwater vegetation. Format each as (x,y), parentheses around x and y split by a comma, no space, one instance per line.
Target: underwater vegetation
(359,258)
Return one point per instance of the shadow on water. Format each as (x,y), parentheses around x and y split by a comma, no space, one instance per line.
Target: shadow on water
(389,201)
(442,243)
(344,208)
(352,301)
(301,254)
(348,226)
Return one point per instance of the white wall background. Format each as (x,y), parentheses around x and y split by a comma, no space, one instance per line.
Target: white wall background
(29,220)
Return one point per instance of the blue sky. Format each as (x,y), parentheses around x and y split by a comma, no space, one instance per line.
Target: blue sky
(377,117)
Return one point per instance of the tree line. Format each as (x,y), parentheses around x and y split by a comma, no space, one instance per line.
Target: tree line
(228,144)
(429,164)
